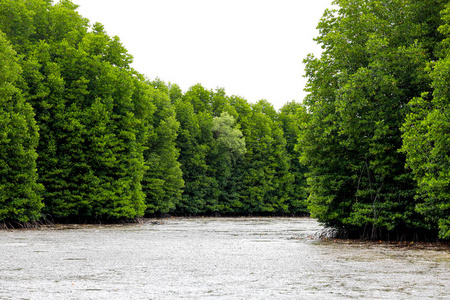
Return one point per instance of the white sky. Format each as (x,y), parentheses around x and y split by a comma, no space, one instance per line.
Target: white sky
(252,48)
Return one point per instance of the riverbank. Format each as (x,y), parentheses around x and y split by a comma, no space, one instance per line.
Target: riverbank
(437,246)
(161,221)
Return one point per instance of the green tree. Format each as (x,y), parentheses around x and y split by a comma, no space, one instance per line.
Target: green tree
(92,125)
(199,97)
(372,65)
(195,136)
(212,148)
(228,134)
(95,162)
(266,177)
(291,116)
(231,194)
(228,151)
(426,140)
(20,199)
(175,92)
(163,180)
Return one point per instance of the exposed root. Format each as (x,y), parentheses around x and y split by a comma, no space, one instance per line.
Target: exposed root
(329,233)
(21,225)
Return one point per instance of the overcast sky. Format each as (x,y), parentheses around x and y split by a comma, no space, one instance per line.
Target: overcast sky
(252,48)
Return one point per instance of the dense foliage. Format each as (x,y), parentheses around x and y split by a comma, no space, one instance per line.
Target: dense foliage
(426,138)
(20,199)
(85,137)
(374,63)
(113,145)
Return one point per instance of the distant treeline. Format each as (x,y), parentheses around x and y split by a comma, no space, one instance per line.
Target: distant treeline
(84,137)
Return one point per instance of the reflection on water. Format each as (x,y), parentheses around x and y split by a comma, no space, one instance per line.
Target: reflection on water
(257,258)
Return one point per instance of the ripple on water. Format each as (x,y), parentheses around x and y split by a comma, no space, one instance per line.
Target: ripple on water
(255,258)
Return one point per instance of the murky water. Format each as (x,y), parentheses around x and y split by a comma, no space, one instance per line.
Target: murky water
(260,258)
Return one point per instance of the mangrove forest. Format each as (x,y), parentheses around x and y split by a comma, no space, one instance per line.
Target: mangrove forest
(84,137)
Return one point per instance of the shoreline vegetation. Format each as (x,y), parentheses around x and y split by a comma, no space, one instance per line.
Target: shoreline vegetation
(85,138)
(44,223)
(328,235)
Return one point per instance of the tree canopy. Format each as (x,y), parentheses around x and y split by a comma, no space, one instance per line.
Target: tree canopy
(374,63)
(87,138)
(20,199)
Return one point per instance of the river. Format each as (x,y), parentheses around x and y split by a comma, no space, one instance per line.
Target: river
(212,258)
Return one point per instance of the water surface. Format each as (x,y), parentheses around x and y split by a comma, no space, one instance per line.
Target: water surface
(211,258)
